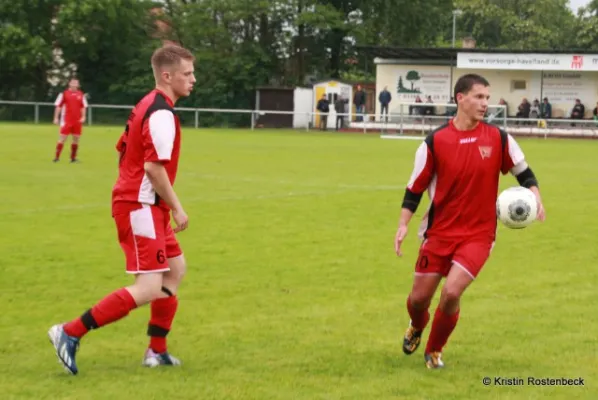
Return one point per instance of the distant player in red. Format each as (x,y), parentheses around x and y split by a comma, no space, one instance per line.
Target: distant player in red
(142,200)
(70,115)
(459,165)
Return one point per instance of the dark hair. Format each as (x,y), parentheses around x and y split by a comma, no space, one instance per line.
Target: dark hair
(466,82)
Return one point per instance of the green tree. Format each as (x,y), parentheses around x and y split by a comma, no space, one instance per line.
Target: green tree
(412,76)
(518,24)
(109,42)
(26,51)
(586,36)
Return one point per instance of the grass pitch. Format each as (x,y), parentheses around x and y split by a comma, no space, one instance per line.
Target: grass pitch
(293,289)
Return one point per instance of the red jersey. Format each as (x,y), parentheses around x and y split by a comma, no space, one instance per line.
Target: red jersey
(461,170)
(72,103)
(152,133)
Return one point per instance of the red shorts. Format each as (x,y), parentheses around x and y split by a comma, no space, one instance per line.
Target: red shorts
(437,256)
(147,239)
(71,128)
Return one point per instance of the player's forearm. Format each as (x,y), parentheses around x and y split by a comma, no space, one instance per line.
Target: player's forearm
(57,112)
(536,191)
(161,184)
(405,217)
(410,204)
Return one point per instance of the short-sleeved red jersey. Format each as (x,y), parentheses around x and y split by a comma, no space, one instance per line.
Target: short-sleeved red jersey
(152,134)
(72,103)
(461,170)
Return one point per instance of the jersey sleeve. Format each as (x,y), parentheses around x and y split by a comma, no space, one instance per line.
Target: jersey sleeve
(423,170)
(159,133)
(513,159)
(59,100)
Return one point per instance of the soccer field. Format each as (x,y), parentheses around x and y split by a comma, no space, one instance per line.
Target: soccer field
(293,289)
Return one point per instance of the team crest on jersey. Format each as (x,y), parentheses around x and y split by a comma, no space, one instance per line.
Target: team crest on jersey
(485,151)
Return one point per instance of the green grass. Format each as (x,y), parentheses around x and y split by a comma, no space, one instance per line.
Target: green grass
(293,289)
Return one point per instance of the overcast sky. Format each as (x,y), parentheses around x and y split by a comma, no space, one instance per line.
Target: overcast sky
(575,4)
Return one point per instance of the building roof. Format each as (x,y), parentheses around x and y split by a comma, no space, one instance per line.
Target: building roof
(448,53)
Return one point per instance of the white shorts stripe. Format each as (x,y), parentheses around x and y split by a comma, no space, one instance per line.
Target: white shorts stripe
(457,264)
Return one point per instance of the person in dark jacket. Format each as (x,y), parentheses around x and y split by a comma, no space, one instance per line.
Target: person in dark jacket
(339,107)
(359,101)
(324,108)
(523,109)
(384,98)
(546,109)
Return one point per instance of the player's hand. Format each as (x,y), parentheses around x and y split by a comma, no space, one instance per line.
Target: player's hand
(55,121)
(180,219)
(82,120)
(541,213)
(399,237)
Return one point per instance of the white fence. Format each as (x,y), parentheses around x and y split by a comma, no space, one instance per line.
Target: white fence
(389,125)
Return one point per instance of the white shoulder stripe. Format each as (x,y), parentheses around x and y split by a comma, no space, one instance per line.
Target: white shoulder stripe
(421,157)
(162,129)
(515,151)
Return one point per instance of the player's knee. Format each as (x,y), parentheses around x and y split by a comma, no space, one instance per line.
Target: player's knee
(178,269)
(146,290)
(451,295)
(420,299)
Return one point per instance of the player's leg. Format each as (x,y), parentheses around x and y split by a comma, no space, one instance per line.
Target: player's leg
(111,308)
(141,236)
(75,143)
(468,260)
(418,303)
(60,143)
(432,264)
(163,308)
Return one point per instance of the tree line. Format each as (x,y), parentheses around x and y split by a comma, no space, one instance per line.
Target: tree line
(241,44)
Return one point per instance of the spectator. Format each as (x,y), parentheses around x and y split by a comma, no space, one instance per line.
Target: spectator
(384,98)
(534,111)
(502,113)
(359,101)
(578,110)
(324,108)
(339,107)
(523,109)
(546,109)
(429,110)
(416,110)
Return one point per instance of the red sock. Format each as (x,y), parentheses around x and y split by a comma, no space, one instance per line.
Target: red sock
(163,311)
(419,318)
(442,327)
(111,308)
(59,147)
(74,147)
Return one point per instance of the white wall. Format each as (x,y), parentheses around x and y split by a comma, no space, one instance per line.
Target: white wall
(303,101)
(430,80)
(561,88)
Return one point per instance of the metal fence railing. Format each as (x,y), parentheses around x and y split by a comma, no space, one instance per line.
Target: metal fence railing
(405,121)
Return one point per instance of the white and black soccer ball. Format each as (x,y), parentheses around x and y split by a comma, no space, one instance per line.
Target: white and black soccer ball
(517,207)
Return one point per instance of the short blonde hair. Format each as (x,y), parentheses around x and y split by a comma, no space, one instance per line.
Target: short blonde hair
(168,56)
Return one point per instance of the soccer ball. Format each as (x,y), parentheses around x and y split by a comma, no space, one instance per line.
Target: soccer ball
(517,207)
